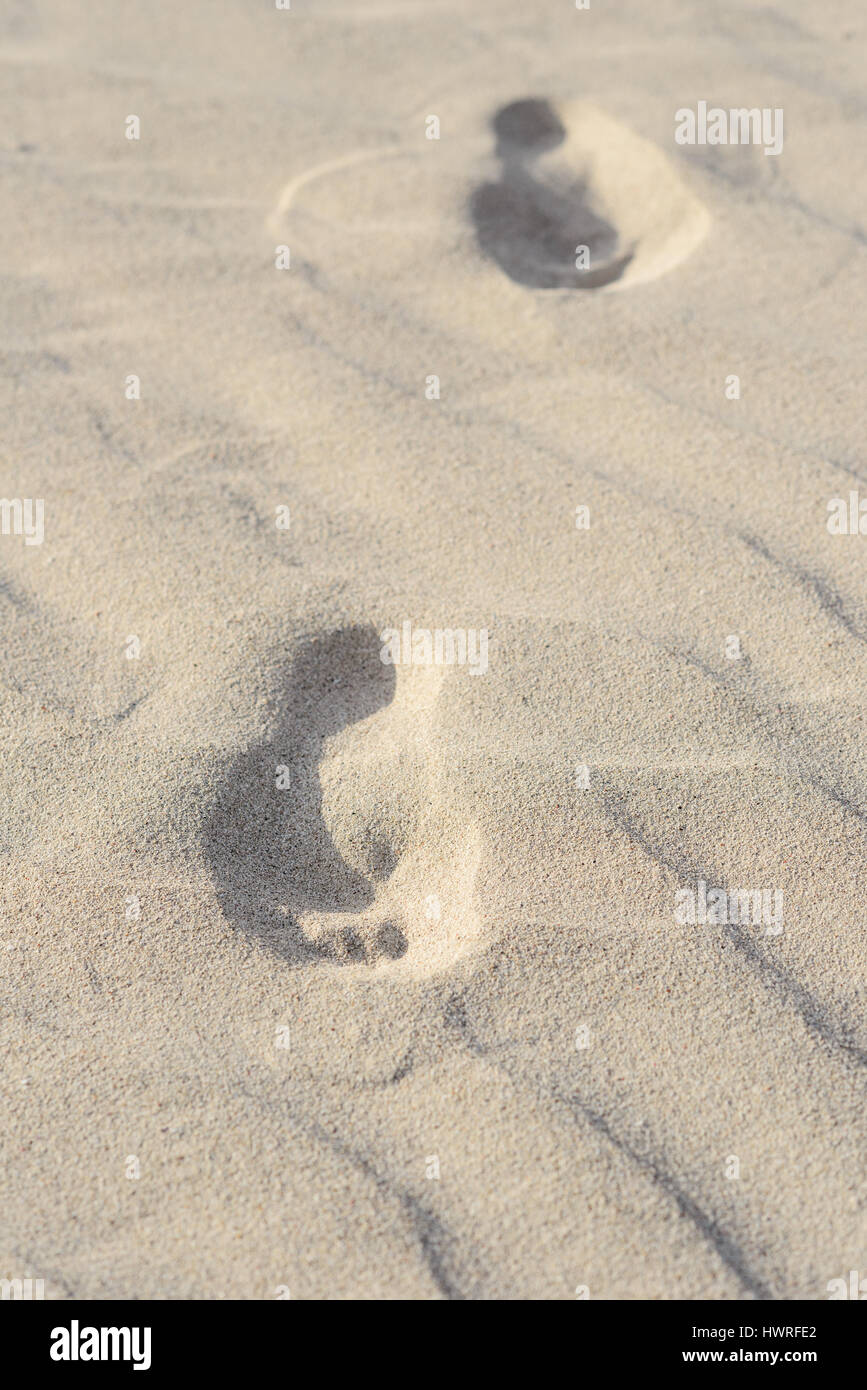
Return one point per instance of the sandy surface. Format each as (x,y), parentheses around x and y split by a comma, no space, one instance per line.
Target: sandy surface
(415,1017)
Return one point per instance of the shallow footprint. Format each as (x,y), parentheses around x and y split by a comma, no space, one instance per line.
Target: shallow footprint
(424,917)
(332,840)
(384,803)
(573,177)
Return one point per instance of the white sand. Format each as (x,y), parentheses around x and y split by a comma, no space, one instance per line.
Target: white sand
(331,985)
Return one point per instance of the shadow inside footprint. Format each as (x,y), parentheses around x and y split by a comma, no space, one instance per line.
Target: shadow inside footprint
(531,223)
(269,850)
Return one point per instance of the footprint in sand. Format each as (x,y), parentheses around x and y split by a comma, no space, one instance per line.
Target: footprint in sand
(356,859)
(572,177)
(560,176)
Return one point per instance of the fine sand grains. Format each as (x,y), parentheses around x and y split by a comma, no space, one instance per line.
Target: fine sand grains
(363,978)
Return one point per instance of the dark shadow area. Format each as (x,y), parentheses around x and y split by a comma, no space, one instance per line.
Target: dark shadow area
(531,125)
(268,848)
(532,228)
